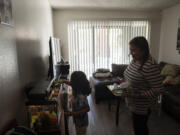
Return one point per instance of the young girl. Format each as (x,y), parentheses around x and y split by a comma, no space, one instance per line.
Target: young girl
(80,107)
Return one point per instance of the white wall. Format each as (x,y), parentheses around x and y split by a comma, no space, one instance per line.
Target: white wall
(62,17)
(9,74)
(23,54)
(168,52)
(33,20)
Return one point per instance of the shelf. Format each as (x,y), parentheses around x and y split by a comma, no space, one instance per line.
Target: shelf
(40,102)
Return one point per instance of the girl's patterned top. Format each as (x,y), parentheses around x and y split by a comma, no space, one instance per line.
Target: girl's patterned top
(80,102)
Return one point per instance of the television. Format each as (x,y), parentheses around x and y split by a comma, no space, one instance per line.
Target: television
(50,70)
(58,68)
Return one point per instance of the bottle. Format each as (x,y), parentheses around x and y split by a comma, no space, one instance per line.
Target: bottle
(115,86)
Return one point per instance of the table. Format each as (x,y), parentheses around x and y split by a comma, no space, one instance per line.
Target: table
(118,98)
(99,88)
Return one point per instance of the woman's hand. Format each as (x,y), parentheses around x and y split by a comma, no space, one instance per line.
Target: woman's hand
(128,95)
(140,95)
(143,94)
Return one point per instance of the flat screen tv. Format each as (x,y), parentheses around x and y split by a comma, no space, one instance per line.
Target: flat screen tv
(50,70)
(57,65)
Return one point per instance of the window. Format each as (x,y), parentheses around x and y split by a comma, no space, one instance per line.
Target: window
(98,44)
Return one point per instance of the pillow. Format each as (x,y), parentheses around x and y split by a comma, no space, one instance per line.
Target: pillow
(167,80)
(102,75)
(172,80)
(102,70)
(175,80)
(170,70)
(118,69)
(161,65)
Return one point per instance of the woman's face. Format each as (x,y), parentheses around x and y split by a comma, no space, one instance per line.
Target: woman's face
(136,53)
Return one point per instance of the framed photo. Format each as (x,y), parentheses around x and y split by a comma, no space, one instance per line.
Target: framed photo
(178,36)
(6,12)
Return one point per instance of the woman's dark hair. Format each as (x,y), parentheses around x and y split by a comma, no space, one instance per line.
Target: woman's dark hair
(141,43)
(79,83)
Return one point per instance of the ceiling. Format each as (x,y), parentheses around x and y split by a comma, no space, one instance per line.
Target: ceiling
(113,4)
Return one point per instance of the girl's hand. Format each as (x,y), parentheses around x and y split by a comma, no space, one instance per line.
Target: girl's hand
(68,113)
(62,81)
(59,82)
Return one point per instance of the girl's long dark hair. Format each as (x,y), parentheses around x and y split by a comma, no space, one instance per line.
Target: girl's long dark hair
(141,43)
(79,83)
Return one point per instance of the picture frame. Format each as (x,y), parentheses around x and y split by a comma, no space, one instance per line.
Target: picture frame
(6,12)
(178,37)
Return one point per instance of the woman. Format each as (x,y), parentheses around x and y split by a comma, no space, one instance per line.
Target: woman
(145,81)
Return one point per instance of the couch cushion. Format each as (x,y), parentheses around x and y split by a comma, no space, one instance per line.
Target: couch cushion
(118,69)
(102,75)
(161,65)
(167,80)
(170,70)
(102,70)
(176,80)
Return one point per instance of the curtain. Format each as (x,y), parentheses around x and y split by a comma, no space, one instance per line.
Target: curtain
(98,44)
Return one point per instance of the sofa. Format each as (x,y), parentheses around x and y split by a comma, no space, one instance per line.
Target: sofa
(171,96)
(99,85)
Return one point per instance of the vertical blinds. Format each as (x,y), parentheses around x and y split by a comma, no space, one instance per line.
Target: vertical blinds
(98,44)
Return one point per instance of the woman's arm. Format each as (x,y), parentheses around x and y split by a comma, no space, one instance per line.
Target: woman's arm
(128,94)
(154,80)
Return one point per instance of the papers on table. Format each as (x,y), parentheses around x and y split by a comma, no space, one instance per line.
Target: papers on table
(110,87)
(116,89)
